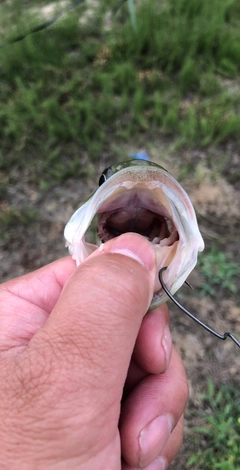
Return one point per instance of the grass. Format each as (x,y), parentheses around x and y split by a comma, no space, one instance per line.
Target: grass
(93,81)
(219,430)
(10,216)
(218,271)
(159,69)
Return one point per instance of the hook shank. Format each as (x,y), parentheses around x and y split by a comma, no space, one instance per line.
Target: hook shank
(201,323)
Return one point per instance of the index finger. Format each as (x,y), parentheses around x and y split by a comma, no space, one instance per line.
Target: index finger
(26,302)
(41,287)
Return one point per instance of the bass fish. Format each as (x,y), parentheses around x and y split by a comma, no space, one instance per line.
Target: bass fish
(141,197)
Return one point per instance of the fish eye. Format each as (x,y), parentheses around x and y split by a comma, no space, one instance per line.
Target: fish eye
(102,179)
(107,173)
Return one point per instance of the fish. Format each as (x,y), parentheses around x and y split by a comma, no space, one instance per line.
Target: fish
(142,197)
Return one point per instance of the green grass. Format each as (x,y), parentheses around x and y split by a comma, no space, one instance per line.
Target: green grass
(77,90)
(10,217)
(219,431)
(159,69)
(218,271)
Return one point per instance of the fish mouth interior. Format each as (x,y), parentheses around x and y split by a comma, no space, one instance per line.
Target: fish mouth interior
(136,213)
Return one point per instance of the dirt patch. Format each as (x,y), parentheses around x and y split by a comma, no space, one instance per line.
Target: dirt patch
(218,199)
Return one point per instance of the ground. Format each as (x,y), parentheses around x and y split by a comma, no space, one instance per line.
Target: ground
(32,236)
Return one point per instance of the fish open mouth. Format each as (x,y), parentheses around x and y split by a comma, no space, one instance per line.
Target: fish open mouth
(157,228)
(137,211)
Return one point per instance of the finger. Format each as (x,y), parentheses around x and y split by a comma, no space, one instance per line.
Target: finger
(168,453)
(91,332)
(152,350)
(151,412)
(134,376)
(174,443)
(154,343)
(26,302)
(43,286)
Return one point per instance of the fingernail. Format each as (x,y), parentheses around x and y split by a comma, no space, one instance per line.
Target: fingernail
(167,344)
(159,464)
(134,246)
(153,438)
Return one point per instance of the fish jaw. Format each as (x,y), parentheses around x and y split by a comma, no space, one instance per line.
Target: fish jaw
(152,191)
(74,232)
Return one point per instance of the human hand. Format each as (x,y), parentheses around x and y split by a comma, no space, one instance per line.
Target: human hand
(69,341)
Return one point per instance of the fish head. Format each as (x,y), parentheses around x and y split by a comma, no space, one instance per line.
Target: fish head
(142,197)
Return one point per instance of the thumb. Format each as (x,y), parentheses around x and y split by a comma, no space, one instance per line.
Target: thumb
(85,347)
(73,369)
(101,308)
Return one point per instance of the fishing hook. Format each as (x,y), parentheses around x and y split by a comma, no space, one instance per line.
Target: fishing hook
(201,323)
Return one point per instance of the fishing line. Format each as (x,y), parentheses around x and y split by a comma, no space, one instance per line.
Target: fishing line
(118,6)
(53,20)
(44,25)
(201,323)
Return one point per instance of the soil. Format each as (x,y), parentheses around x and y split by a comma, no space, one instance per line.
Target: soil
(36,238)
